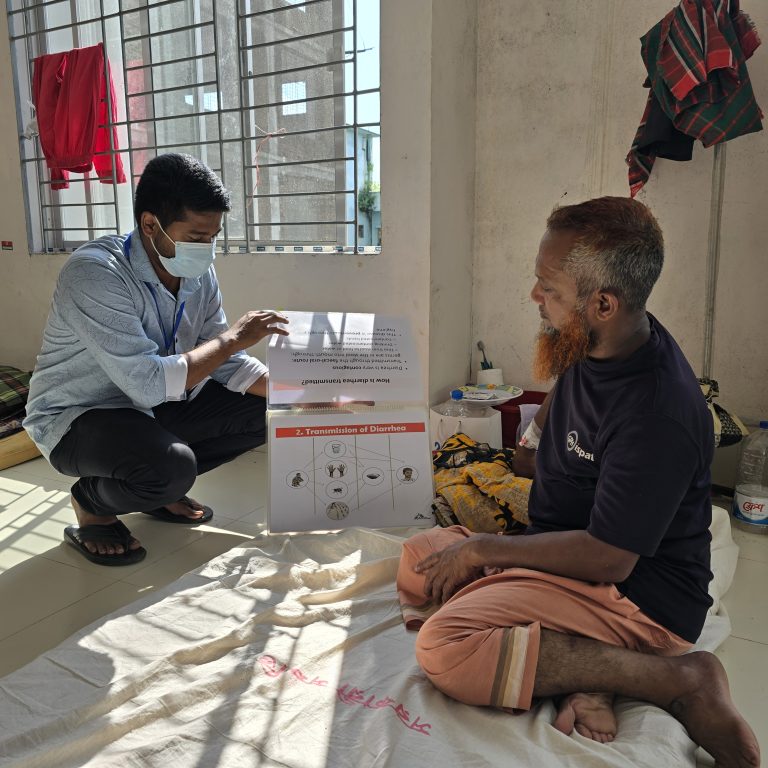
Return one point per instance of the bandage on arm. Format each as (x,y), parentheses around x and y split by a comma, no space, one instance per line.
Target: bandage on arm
(531,436)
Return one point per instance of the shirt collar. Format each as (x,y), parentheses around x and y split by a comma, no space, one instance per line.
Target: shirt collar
(636,361)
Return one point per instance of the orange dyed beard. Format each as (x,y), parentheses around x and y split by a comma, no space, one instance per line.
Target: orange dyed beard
(557,350)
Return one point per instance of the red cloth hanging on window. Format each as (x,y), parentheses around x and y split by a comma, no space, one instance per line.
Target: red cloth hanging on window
(70,97)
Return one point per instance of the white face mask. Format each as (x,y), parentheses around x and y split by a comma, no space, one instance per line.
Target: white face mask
(191,260)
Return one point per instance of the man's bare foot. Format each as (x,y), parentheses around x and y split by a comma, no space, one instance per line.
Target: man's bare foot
(707,711)
(186,507)
(591,714)
(100,548)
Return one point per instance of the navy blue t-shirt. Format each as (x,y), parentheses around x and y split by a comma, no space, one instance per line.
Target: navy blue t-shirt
(625,455)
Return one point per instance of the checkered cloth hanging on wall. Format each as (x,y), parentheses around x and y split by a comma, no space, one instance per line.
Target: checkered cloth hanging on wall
(699,84)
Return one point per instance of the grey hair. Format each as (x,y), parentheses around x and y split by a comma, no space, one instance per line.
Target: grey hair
(619,248)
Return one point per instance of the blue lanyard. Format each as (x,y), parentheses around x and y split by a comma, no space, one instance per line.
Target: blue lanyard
(170,340)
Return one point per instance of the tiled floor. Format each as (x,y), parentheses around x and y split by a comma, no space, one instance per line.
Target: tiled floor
(47,590)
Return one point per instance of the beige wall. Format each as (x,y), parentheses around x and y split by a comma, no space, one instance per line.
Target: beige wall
(454,54)
(559,99)
(27,284)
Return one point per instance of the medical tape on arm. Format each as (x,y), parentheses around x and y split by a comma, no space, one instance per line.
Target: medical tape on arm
(531,436)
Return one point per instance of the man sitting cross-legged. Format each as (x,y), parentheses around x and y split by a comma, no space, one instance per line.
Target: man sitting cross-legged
(608,588)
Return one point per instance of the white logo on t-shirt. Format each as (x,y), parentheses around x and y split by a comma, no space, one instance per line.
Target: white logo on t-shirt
(572,444)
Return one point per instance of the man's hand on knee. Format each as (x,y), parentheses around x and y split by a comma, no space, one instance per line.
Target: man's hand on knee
(447,571)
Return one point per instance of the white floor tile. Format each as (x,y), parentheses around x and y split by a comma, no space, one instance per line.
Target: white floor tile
(747,601)
(747,664)
(234,489)
(752,546)
(38,587)
(24,494)
(28,643)
(32,519)
(38,468)
(158,538)
(252,524)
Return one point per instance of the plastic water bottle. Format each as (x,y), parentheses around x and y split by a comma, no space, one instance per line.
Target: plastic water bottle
(477,409)
(455,406)
(750,501)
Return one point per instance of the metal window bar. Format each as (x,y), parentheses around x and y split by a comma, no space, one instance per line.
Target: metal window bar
(280,8)
(76,22)
(297,38)
(17,73)
(245,104)
(313,161)
(306,68)
(180,60)
(299,223)
(70,205)
(162,32)
(171,145)
(174,88)
(225,225)
(143,147)
(307,194)
(28,6)
(34,39)
(90,229)
(129,170)
(109,129)
(355,133)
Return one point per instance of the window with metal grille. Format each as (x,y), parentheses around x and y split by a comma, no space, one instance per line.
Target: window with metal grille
(279,97)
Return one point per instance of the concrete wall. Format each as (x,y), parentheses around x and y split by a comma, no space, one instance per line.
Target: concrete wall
(27,284)
(559,100)
(454,52)
(415,114)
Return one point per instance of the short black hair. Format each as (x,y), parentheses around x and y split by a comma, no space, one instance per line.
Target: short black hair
(173,183)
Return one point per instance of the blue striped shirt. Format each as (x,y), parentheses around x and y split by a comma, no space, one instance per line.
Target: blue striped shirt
(109,342)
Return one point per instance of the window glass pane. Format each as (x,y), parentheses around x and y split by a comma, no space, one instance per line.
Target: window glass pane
(368,108)
(293,96)
(171,75)
(323,113)
(287,22)
(367,22)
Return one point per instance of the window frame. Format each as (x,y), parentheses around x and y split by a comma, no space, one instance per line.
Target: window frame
(45,213)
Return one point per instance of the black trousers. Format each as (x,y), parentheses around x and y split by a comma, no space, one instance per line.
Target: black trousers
(130,462)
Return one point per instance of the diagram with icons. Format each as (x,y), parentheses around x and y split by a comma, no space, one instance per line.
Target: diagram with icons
(334,470)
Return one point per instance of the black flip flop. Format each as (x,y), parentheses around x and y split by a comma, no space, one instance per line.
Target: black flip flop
(114,533)
(161,513)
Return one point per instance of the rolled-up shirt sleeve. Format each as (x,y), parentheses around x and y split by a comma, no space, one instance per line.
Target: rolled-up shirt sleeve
(175,369)
(249,372)
(239,371)
(100,310)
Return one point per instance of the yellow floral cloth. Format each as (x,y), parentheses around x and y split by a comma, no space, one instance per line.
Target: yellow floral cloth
(477,488)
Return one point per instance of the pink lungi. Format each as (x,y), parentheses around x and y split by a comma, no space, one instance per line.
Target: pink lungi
(482,646)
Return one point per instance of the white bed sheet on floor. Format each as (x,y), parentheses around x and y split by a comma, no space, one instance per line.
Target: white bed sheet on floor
(291,652)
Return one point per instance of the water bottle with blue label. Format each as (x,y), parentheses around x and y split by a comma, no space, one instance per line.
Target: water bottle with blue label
(750,501)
